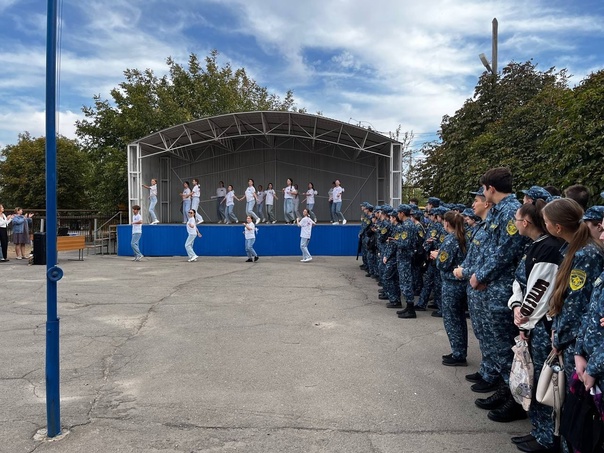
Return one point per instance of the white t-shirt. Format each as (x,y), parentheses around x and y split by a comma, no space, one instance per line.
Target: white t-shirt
(337,194)
(288,192)
(261,194)
(153,190)
(306,225)
(196,191)
(270,197)
(191,227)
(310,196)
(221,192)
(249,193)
(229,198)
(186,193)
(250,234)
(137,227)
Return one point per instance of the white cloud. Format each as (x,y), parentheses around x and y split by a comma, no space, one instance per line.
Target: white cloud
(385,62)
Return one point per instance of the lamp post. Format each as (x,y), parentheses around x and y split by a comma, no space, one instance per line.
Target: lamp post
(492,68)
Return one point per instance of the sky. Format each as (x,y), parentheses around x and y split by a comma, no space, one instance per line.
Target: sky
(379,64)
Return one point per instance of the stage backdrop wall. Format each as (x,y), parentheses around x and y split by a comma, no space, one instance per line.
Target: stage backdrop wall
(228,240)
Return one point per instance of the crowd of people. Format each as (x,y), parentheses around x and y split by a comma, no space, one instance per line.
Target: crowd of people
(259,203)
(532,270)
(22,227)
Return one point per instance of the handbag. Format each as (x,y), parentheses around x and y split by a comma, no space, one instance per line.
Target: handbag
(551,386)
(521,374)
(582,424)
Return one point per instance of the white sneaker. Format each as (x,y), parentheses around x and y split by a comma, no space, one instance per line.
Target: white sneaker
(257,220)
(335,223)
(155,222)
(199,222)
(344,222)
(303,260)
(309,258)
(274,221)
(192,259)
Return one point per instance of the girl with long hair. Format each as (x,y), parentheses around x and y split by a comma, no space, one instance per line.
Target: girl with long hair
(582,264)
(451,254)
(532,290)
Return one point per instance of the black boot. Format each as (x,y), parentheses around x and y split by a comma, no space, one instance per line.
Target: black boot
(508,412)
(409,313)
(496,400)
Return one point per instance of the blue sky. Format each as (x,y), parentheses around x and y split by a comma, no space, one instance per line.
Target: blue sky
(380,63)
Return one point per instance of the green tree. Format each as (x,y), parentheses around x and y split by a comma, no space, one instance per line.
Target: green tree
(504,124)
(576,140)
(145,103)
(23,174)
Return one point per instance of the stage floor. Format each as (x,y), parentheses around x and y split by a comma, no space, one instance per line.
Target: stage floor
(228,240)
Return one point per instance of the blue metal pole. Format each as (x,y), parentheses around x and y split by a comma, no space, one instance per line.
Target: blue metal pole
(53,406)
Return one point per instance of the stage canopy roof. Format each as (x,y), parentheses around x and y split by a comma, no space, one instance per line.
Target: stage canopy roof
(226,131)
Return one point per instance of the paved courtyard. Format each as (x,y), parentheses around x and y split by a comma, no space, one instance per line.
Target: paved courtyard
(222,356)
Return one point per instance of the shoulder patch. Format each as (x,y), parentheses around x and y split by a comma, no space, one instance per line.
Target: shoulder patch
(577,279)
(442,256)
(404,235)
(511,228)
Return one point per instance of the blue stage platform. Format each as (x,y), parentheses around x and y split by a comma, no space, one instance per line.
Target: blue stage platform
(228,240)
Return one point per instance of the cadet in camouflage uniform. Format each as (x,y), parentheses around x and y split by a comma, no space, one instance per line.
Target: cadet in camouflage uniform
(589,348)
(383,233)
(504,248)
(583,263)
(486,379)
(365,221)
(431,242)
(405,238)
(419,258)
(391,284)
(371,244)
(450,255)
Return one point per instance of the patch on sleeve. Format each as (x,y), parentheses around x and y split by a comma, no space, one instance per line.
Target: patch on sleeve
(577,279)
(443,256)
(404,235)
(511,228)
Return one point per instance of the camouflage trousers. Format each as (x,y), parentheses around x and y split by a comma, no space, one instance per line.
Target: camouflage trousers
(454,316)
(539,414)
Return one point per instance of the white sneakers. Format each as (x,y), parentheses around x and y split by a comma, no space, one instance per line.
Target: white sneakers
(155,222)
(306,260)
(257,220)
(190,260)
(344,222)
(200,221)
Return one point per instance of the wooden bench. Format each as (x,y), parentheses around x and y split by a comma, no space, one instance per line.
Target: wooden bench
(70,243)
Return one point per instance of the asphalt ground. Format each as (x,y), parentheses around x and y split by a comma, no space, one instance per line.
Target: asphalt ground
(222,355)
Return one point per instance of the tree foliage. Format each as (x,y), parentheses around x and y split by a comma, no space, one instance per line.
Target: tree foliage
(23,174)
(145,103)
(528,120)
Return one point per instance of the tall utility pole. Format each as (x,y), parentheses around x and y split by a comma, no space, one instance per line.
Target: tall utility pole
(494,46)
(492,68)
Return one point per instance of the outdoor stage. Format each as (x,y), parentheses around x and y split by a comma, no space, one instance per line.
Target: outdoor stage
(228,240)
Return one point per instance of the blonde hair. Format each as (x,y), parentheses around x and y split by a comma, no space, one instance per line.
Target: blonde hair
(567,213)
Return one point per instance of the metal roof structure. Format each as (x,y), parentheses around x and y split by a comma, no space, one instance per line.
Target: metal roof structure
(267,145)
(234,131)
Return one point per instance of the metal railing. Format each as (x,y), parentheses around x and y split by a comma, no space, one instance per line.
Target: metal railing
(79,222)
